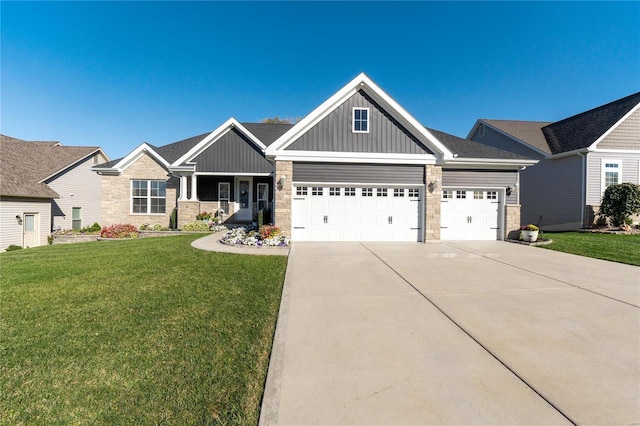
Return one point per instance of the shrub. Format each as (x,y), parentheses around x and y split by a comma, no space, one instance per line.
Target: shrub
(13,247)
(269,231)
(620,201)
(119,231)
(204,216)
(197,226)
(93,228)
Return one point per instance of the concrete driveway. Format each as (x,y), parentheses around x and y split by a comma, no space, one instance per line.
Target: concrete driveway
(454,333)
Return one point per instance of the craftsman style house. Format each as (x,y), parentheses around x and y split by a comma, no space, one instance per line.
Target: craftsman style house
(578,158)
(46,186)
(357,168)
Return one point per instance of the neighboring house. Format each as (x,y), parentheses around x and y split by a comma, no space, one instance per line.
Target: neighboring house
(45,186)
(578,158)
(357,168)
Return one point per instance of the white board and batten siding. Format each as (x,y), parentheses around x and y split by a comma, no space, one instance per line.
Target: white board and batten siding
(12,231)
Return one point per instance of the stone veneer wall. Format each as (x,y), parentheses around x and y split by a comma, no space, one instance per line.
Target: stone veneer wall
(432,200)
(512,221)
(116,194)
(284,196)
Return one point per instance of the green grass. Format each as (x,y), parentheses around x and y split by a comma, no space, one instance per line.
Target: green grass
(149,331)
(615,247)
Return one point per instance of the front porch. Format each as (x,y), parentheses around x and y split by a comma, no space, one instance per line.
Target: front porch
(234,199)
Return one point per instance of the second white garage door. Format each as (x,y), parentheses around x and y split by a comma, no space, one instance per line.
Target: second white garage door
(470,214)
(349,213)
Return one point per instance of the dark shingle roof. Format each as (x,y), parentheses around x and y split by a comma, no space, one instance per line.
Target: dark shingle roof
(582,130)
(529,132)
(25,165)
(465,148)
(267,133)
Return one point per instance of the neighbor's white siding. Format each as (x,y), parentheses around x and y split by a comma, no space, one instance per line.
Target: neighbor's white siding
(10,230)
(630,172)
(78,187)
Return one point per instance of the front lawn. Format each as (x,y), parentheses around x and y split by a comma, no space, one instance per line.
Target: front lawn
(148,331)
(615,247)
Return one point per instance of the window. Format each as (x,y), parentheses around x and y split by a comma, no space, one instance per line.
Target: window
(611,173)
(76,218)
(301,190)
(398,192)
(446,194)
(316,190)
(349,192)
(492,195)
(478,195)
(334,192)
(414,193)
(481,130)
(361,120)
(148,196)
(367,192)
(263,196)
(224,189)
(381,192)
(461,194)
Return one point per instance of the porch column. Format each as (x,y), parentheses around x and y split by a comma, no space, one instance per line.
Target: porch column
(194,188)
(283,193)
(183,188)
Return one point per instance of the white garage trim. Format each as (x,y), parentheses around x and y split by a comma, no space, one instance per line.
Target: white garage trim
(472,213)
(356,212)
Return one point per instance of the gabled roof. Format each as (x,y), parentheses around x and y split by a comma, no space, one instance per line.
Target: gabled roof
(360,82)
(27,165)
(528,132)
(465,148)
(585,129)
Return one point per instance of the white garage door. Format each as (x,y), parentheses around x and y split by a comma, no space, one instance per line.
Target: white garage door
(470,214)
(346,213)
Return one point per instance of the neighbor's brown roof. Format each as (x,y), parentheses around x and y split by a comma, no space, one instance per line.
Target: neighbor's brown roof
(529,132)
(24,165)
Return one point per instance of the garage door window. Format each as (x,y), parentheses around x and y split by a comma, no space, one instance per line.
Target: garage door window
(381,192)
(446,194)
(492,195)
(414,192)
(334,192)
(461,194)
(367,192)
(349,192)
(316,190)
(301,190)
(478,195)
(398,192)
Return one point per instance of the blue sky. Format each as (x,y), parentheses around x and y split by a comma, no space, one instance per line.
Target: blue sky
(116,74)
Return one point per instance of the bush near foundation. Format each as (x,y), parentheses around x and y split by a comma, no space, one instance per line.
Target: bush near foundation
(620,201)
(119,231)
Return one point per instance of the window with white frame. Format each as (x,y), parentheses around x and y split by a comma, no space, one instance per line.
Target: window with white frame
(492,195)
(461,194)
(367,192)
(398,192)
(301,190)
(316,190)
(360,120)
(76,218)
(478,195)
(224,189)
(611,173)
(381,192)
(334,191)
(447,194)
(414,192)
(148,196)
(349,192)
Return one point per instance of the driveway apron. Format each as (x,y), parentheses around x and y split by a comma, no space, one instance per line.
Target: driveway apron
(453,333)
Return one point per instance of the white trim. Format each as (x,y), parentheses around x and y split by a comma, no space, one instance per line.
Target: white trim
(231,174)
(603,170)
(490,161)
(612,128)
(213,137)
(356,157)
(228,199)
(357,184)
(360,82)
(617,151)
(353,119)
(131,158)
(237,207)
(148,197)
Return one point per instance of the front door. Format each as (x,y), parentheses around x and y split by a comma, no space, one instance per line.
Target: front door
(31,226)
(243,200)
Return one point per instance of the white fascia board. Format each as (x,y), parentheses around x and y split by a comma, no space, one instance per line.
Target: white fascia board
(617,151)
(510,136)
(216,135)
(232,174)
(487,163)
(327,107)
(134,155)
(355,157)
(569,153)
(612,128)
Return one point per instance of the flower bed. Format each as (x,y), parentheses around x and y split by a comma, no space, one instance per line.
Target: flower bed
(247,236)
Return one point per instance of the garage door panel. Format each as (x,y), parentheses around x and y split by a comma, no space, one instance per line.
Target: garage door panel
(470,214)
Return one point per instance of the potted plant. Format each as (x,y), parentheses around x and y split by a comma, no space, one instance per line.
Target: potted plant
(204,216)
(529,233)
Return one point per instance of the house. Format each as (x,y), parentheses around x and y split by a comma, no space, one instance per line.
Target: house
(45,186)
(578,158)
(357,168)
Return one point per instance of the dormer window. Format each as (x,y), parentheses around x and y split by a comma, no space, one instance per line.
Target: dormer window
(361,120)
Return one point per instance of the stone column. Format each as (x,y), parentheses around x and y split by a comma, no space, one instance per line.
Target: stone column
(432,200)
(512,221)
(283,195)
(194,188)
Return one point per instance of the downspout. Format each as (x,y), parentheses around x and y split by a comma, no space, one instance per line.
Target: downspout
(583,189)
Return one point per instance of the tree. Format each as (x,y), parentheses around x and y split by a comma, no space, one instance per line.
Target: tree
(276,120)
(620,201)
